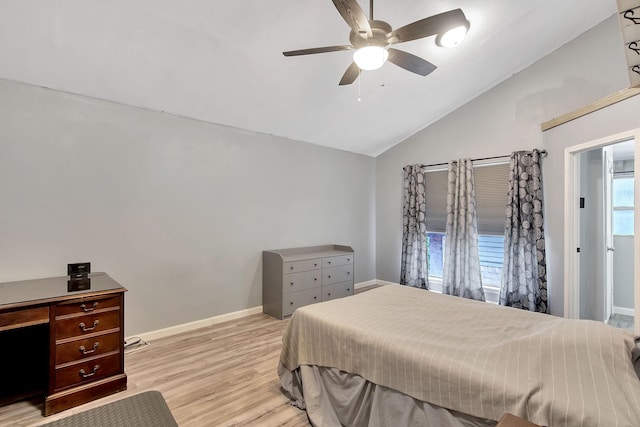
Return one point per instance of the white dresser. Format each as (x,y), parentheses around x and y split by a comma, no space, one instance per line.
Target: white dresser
(295,277)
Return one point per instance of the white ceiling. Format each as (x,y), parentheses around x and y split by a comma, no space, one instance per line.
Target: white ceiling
(221,61)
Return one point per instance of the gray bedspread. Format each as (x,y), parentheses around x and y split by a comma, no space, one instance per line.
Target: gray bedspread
(472,357)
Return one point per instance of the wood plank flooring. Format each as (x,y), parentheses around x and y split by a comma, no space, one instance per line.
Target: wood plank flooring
(223,375)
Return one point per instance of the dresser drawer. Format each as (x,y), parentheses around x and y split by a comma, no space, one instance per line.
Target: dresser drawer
(90,370)
(296,300)
(339,290)
(295,282)
(305,265)
(87,306)
(337,274)
(336,261)
(77,326)
(87,347)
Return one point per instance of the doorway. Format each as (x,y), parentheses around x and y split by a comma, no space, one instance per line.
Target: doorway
(601,189)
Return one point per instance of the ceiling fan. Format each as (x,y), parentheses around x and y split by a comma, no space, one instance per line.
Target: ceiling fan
(371,39)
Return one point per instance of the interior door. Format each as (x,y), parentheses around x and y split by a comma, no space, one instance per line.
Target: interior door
(608,229)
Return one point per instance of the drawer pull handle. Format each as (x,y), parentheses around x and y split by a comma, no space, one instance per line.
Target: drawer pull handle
(329,277)
(348,272)
(329,294)
(315,297)
(348,260)
(84,351)
(291,303)
(315,279)
(84,374)
(84,327)
(328,262)
(315,265)
(348,289)
(87,309)
(291,283)
(292,267)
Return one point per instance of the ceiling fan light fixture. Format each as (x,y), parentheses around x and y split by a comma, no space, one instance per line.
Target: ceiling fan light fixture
(453,37)
(370,57)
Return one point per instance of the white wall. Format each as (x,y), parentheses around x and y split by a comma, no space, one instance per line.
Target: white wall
(176,210)
(508,118)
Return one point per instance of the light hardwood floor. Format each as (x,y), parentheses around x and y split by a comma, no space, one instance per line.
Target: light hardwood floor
(223,375)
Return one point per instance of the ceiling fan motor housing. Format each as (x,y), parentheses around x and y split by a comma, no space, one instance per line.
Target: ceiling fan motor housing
(380,31)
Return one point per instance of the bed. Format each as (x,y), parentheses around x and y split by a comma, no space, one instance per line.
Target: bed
(397,355)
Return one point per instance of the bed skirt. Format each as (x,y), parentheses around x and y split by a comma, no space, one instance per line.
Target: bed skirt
(335,398)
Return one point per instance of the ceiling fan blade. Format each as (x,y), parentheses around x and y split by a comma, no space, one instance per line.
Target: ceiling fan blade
(355,17)
(426,27)
(316,50)
(350,75)
(410,62)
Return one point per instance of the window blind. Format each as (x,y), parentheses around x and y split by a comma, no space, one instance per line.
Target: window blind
(491,198)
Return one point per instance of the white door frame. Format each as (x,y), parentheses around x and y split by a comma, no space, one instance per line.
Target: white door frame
(572,223)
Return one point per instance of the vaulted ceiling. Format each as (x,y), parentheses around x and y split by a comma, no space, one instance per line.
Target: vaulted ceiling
(221,61)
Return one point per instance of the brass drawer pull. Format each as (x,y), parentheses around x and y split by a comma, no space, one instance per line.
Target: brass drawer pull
(84,374)
(87,309)
(84,351)
(84,327)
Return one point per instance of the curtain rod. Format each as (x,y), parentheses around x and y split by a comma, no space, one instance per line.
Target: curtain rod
(542,152)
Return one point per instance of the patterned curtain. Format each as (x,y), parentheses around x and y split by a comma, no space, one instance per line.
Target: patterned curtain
(524,272)
(461,275)
(413,270)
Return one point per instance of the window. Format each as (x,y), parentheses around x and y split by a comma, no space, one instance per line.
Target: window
(491,198)
(623,205)
(490,251)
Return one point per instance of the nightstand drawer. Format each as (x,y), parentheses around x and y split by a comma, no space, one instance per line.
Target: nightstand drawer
(339,290)
(296,300)
(337,274)
(295,282)
(306,265)
(88,347)
(87,306)
(77,373)
(336,261)
(77,326)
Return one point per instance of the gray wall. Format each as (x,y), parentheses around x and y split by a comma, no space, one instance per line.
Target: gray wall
(623,260)
(177,210)
(592,253)
(508,118)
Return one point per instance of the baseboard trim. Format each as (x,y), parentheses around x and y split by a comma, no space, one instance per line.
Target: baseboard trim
(384,282)
(365,284)
(623,310)
(203,323)
(186,327)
